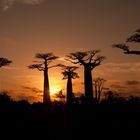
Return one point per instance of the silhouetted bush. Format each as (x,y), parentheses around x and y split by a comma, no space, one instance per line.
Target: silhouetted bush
(23,104)
(113,98)
(133,100)
(5,99)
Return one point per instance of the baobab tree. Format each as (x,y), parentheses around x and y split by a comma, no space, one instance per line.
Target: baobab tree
(98,87)
(43,65)
(135,38)
(69,74)
(89,60)
(4,62)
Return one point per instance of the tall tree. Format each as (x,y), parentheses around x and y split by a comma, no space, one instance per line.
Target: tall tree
(69,74)
(43,65)
(98,87)
(135,38)
(4,62)
(89,60)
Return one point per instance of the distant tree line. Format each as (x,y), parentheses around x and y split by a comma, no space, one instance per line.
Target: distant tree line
(112,101)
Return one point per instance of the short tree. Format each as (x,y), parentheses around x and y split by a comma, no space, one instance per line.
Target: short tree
(68,73)
(98,87)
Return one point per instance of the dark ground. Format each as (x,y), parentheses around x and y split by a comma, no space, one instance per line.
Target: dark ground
(62,122)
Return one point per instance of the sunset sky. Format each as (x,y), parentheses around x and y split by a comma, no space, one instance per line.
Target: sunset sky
(28,27)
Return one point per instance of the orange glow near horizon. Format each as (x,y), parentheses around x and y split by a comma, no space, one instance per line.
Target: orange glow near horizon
(54,90)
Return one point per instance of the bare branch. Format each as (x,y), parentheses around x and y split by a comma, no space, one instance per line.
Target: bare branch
(98,86)
(46,59)
(78,57)
(133,52)
(43,55)
(85,58)
(135,37)
(75,75)
(36,66)
(96,62)
(121,46)
(65,74)
(126,49)
(46,56)
(61,65)
(53,66)
(52,58)
(92,53)
(74,62)
(69,71)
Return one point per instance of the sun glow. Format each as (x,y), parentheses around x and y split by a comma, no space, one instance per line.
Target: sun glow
(54,90)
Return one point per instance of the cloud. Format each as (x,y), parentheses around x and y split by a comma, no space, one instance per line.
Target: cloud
(14,68)
(25,97)
(26,94)
(30,98)
(33,90)
(117,86)
(113,70)
(123,67)
(8,3)
(132,82)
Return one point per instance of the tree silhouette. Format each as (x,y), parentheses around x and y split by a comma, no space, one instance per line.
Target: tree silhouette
(89,60)
(68,73)
(98,86)
(43,65)
(59,95)
(4,62)
(135,38)
(5,98)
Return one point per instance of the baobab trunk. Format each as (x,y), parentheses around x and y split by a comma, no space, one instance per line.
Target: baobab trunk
(88,85)
(99,96)
(69,91)
(46,96)
(96,92)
